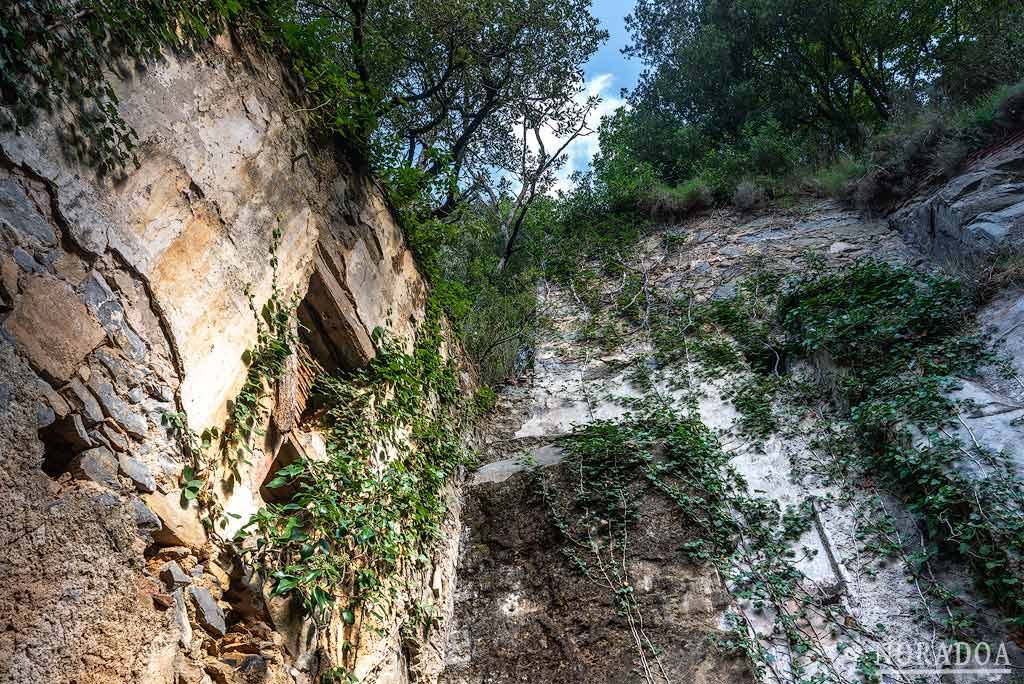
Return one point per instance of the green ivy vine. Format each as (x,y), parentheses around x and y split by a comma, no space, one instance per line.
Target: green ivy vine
(612,467)
(373,508)
(898,341)
(55,57)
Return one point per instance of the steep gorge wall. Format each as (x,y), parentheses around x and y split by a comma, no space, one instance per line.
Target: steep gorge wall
(524,608)
(122,299)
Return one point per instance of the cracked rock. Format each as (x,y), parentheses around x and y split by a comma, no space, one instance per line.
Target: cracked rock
(173,576)
(22,214)
(90,407)
(208,613)
(115,437)
(137,472)
(145,519)
(27,262)
(67,432)
(96,464)
(53,328)
(112,363)
(132,423)
(162,392)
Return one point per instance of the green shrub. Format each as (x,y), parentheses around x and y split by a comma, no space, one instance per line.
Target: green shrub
(666,202)
(484,400)
(770,150)
(748,195)
(933,145)
(753,397)
(879,320)
(902,338)
(999,110)
(838,179)
(355,524)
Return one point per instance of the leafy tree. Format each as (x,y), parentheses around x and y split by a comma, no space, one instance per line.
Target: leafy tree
(440,89)
(830,66)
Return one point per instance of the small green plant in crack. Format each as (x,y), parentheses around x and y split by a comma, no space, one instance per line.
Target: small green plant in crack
(340,675)
(276,337)
(423,617)
(197,477)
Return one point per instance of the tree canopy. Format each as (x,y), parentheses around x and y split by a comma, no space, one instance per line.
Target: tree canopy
(445,88)
(830,69)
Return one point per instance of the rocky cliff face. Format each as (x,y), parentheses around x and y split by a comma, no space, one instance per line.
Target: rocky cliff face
(979,211)
(524,608)
(124,299)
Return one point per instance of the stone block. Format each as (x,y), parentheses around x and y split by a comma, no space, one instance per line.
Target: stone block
(8,282)
(96,464)
(57,403)
(173,576)
(208,613)
(27,262)
(181,619)
(115,437)
(91,411)
(117,409)
(21,214)
(145,519)
(53,328)
(137,472)
(182,526)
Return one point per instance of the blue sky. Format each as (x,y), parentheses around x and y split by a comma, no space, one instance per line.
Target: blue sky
(606,74)
(609,59)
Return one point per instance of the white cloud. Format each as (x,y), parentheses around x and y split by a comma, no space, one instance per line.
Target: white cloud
(581,150)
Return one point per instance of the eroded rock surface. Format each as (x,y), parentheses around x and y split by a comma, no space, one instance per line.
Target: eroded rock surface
(125,299)
(522,613)
(978,211)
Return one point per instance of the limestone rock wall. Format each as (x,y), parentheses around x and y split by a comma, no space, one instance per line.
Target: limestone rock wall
(125,298)
(978,211)
(978,216)
(523,614)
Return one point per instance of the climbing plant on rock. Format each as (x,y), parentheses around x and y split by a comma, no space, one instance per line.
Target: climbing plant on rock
(55,57)
(901,340)
(373,507)
(613,469)
(898,341)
